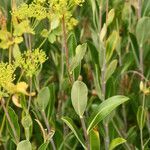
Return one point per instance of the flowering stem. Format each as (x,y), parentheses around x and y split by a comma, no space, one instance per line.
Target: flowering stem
(10,53)
(30,86)
(30,78)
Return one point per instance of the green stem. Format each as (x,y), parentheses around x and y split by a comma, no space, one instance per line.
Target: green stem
(10,52)
(65,42)
(30,78)
(2,124)
(103,84)
(121,135)
(4,117)
(85,133)
(48,128)
(141,129)
(30,98)
(66,47)
(42,43)
(9,120)
(107,141)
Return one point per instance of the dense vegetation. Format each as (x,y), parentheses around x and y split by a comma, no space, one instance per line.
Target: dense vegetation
(74,74)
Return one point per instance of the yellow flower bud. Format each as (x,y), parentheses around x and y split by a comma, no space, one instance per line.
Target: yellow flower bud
(141,86)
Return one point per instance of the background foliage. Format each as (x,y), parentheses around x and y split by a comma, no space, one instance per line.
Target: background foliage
(74,74)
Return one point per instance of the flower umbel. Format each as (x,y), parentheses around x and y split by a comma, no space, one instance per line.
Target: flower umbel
(6,79)
(30,61)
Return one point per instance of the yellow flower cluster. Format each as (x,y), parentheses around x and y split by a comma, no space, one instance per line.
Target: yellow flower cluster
(33,10)
(64,8)
(6,79)
(55,9)
(23,27)
(72,22)
(30,61)
(6,39)
(79,2)
(7,85)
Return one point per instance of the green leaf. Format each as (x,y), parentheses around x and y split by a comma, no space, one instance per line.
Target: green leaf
(142,30)
(54,23)
(94,140)
(23,27)
(14,120)
(111,44)
(103,32)
(43,98)
(16,51)
(116,142)
(44,33)
(79,94)
(80,52)
(135,47)
(94,53)
(74,129)
(24,145)
(43,146)
(51,104)
(146,8)
(110,69)
(141,117)
(104,109)
(97,82)
(94,13)
(72,44)
(111,16)
(52,37)
(27,124)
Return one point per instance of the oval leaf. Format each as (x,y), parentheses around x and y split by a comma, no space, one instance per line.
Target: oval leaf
(16,51)
(111,44)
(104,109)
(79,94)
(24,145)
(80,52)
(43,98)
(103,32)
(110,69)
(28,125)
(142,30)
(111,16)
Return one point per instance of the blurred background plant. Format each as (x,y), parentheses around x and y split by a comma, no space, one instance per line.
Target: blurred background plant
(67,71)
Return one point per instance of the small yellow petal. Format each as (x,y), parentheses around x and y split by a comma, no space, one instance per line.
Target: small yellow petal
(21,87)
(146,91)
(15,99)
